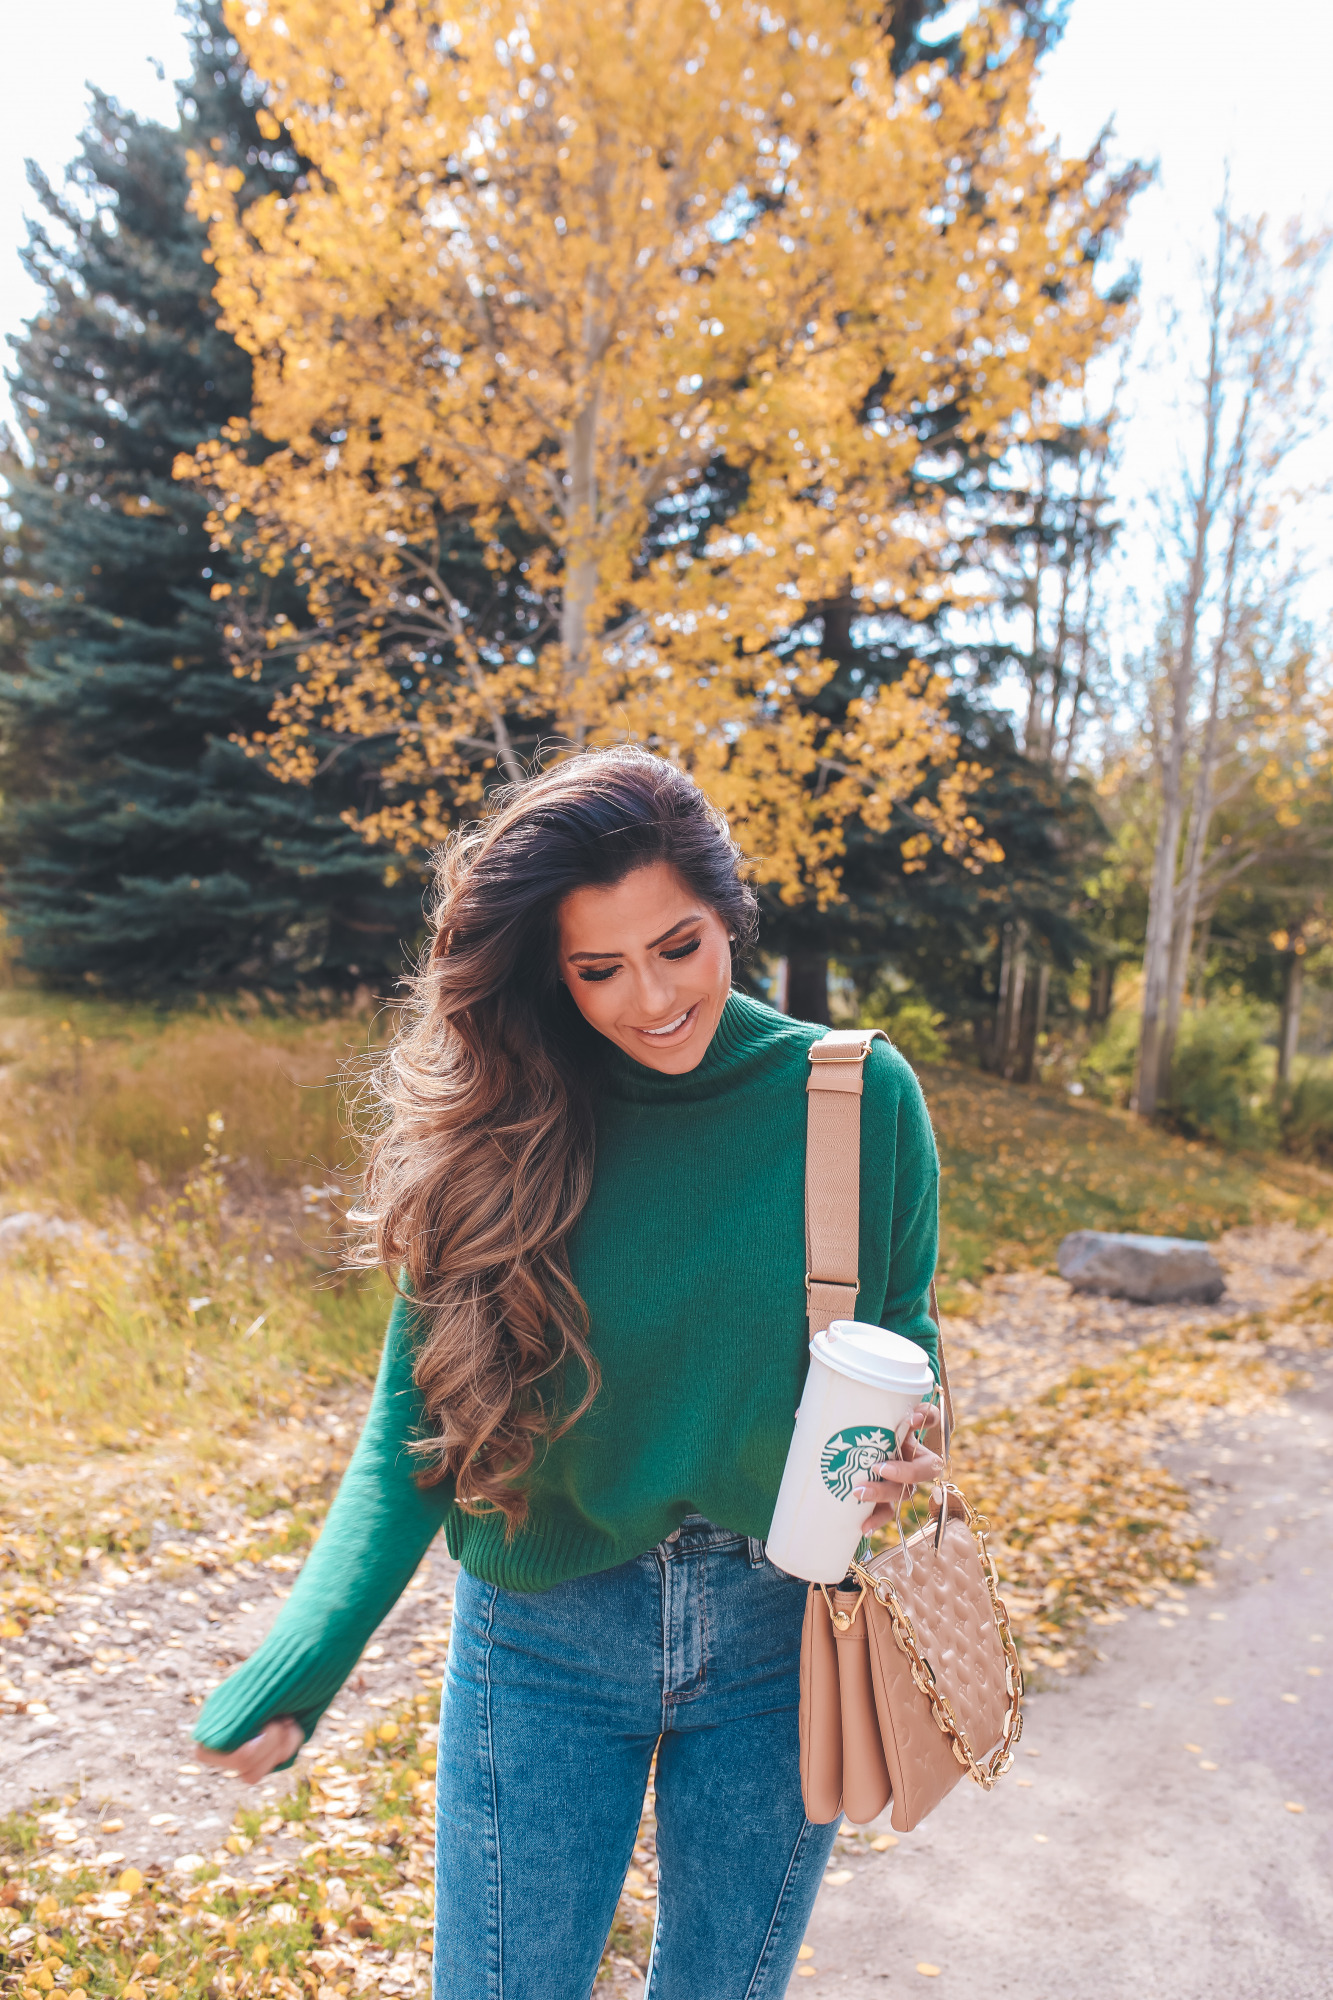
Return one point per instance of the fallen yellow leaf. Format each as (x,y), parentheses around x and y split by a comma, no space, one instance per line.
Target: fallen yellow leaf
(883,1842)
(1204,1765)
(928,1971)
(1292,1807)
(129,1882)
(387,1731)
(806,1951)
(1195,1749)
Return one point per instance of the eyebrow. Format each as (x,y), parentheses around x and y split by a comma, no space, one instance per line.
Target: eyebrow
(578,957)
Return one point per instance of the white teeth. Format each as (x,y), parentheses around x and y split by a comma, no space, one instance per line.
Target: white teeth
(670,1027)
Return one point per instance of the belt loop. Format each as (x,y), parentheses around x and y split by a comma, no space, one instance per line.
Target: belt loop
(756,1548)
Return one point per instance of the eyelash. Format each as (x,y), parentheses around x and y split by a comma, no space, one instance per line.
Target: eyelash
(594,975)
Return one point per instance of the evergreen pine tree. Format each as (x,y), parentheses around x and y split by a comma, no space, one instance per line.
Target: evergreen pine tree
(145,851)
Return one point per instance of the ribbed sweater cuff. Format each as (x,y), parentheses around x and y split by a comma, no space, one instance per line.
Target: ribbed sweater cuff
(291,1674)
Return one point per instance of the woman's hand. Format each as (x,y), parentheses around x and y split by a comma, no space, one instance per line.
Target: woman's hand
(276,1742)
(895,1478)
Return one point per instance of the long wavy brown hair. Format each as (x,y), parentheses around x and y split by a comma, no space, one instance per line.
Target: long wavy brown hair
(486,1096)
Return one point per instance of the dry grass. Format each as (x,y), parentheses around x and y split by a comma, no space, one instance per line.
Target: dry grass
(201,1283)
(204,1279)
(182,1317)
(102,1103)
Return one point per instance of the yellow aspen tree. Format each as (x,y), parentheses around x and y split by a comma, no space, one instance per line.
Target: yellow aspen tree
(552,266)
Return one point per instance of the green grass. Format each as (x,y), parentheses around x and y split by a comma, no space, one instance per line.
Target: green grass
(1023,1166)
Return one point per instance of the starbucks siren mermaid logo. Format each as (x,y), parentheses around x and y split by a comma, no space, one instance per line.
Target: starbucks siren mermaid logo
(852,1455)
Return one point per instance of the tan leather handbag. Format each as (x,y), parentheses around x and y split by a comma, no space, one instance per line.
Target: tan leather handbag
(909,1675)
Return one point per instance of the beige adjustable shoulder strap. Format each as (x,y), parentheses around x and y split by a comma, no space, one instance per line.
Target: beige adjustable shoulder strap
(833,1185)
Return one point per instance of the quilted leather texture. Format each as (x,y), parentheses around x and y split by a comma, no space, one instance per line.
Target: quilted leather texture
(946,1596)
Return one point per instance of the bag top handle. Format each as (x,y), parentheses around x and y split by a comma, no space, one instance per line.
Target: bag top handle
(833,1189)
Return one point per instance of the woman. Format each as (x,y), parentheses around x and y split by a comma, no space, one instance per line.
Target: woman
(591,1171)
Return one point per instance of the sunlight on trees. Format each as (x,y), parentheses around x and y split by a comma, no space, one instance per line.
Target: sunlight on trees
(593,349)
(1237,714)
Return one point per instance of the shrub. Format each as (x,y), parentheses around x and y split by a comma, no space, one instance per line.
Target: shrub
(912,1025)
(1107,1070)
(1220,1077)
(1305,1119)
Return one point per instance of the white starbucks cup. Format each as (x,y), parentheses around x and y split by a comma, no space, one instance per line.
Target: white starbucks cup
(863,1385)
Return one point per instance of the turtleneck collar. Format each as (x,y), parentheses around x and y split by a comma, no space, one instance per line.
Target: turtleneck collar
(748,1036)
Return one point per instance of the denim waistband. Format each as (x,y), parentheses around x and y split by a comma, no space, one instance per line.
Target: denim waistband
(696,1532)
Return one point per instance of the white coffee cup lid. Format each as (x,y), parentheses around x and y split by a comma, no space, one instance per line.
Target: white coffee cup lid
(873,1355)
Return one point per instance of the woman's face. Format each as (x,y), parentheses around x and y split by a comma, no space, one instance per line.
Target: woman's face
(649,966)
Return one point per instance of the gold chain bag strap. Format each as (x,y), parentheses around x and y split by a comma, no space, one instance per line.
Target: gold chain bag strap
(909,1676)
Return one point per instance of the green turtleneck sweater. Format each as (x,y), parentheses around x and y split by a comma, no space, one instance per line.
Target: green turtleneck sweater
(690,1256)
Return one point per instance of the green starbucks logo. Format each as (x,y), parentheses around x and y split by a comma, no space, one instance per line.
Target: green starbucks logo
(848,1459)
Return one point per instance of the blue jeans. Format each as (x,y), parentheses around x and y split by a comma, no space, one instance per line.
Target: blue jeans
(554,1702)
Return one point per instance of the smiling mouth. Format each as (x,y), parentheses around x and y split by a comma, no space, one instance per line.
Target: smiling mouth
(671,1027)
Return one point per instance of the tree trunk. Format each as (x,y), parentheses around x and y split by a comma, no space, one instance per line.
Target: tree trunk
(1157,958)
(807,986)
(580,579)
(1009,999)
(1032,1023)
(1289,1039)
(1155,1030)
(1101,995)
(1202,803)
(997,1045)
(1011,1017)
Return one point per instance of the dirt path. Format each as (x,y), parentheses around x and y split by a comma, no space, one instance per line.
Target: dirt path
(101,1694)
(1146,1846)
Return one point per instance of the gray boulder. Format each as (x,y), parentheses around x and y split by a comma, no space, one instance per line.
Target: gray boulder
(1151,1270)
(27,1224)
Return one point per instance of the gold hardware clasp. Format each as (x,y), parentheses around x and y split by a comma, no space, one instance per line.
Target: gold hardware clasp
(843,1621)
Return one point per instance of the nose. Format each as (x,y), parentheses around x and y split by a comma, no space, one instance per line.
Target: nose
(654,994)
